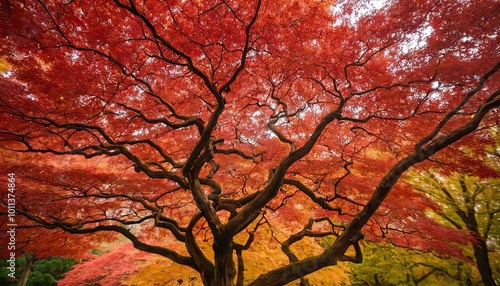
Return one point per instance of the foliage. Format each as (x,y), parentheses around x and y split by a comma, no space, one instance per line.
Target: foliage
(110,268)
(122,264)
(392,265)
(469,201)
(44,272)
(199,130)
(458,193)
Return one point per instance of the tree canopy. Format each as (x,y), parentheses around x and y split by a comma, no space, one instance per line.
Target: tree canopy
(180,124)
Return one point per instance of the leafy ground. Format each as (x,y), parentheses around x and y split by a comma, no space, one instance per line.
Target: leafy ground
(122,265)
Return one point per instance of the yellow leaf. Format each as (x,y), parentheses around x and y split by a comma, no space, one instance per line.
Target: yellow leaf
(4,65)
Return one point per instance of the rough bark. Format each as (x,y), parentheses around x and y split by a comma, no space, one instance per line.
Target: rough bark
(225,270)
(483,262)
(480,248)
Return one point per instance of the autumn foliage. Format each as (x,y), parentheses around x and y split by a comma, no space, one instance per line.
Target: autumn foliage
(199,130)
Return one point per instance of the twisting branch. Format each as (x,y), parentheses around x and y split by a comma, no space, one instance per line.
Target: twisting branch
(205,266)
(466,99)
(79,229)
(352,232)
(249,213)
(310,193)
(281,137)
(239,254)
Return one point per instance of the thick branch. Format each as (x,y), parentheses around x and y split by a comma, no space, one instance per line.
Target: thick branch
(251,211)
(70,228)
(303,188)
(352,233)
(458,107)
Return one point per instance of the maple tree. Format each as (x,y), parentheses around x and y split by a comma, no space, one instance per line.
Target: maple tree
(182,123)
(469,201)
(473,208)
(390,265)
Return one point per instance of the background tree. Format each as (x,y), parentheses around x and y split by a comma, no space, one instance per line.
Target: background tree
(212,121)
(469,201)
(392,265)
(44,272)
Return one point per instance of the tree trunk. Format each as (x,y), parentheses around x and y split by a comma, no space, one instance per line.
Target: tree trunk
(225,270)
(483,263)
(207,279)
(26,271)
(480,247)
